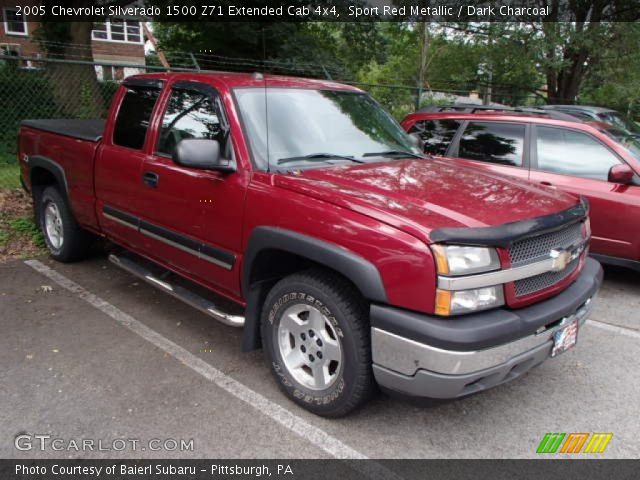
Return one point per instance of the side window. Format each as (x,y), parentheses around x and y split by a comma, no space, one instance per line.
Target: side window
(189,114)
(436,134)
(573,153)
(493,142)
(133,117)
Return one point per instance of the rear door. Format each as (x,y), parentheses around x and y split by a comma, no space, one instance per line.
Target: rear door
(579,163)
(499,147)
(119,161)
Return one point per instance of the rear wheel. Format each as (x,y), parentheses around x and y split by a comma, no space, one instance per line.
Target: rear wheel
(64,238)
(316,339)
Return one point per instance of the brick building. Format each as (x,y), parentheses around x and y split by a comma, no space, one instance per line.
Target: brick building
(116,41)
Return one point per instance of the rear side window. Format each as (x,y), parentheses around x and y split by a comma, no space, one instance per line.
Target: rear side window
(436,134)
(189,114)
(573,153)
(134,116)
(493,142)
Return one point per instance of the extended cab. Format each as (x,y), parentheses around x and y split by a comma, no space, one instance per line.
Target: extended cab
(349,257)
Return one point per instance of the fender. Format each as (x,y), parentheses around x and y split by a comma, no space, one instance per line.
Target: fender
(360,271)
(51,166)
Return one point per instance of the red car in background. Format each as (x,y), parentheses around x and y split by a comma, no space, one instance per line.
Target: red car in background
(592,159)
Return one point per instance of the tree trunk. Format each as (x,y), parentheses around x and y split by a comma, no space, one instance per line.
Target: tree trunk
(424,55)
(564,85)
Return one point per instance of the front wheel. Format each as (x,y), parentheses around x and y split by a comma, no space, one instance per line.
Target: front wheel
(316,337)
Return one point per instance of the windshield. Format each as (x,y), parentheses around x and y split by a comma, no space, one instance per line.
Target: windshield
(630,142)
(617,120)
(318,127)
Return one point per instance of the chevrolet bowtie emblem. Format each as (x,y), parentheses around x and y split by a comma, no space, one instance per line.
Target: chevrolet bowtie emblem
(562,258)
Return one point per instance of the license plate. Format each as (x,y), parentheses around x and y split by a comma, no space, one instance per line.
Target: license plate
(565,338)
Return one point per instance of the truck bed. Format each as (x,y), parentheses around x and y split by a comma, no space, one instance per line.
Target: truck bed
(89,130)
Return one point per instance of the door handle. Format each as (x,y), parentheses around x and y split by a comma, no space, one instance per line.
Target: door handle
(150,179)
(548,184)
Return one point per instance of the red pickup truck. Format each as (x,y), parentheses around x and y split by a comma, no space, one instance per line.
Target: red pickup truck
(350,258)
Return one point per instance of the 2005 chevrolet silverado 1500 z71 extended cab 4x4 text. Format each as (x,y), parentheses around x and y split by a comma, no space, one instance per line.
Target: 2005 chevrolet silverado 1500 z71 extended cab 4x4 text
(353,260)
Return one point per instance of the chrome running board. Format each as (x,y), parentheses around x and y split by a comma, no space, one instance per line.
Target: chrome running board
(187,296)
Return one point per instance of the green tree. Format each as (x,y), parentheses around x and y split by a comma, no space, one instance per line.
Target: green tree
(72,41)
(306,48)
(568,46)
(616,81)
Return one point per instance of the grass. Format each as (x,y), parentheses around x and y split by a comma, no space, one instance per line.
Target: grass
(9,175)
(19,235)
(25,226)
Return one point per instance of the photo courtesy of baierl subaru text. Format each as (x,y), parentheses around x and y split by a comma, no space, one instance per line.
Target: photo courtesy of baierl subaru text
(309,240)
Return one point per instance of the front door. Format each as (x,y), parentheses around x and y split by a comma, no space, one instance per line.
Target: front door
(578,163)
(192,218)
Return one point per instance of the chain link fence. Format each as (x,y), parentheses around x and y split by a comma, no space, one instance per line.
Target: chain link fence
(55,88)
(63,88)
(38,88)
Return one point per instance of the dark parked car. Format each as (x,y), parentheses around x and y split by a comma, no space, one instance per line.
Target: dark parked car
(597,114)
(496,108)
(591,159)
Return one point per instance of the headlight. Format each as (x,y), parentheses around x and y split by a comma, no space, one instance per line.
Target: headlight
(456,260)
(460,260)
(466,301)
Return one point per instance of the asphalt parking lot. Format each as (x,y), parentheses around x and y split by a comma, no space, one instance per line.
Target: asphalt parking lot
(110,357)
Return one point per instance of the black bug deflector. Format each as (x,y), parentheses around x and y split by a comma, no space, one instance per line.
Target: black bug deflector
(504,235)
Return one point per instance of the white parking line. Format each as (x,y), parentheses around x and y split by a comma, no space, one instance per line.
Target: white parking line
(627,332)
(296,424)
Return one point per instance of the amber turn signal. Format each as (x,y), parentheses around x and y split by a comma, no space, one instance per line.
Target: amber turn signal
(441,259)
(443,302)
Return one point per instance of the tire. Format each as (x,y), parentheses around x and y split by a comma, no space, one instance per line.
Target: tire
(316,337)
(65,240)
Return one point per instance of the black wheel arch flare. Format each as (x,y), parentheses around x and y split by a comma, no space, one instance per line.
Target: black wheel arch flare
(362,273)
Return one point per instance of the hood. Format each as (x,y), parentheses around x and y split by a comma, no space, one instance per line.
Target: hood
(418,196)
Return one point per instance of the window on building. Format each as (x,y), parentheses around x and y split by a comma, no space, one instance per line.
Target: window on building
(14,23)
(493,142)
(100,31)
(134,115)
(436,134)
(118,30)
(10,49)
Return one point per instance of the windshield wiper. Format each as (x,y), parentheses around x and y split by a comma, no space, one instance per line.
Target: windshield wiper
(315,157)
(392,153)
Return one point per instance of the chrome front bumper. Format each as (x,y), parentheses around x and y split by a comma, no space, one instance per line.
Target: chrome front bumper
(417,369)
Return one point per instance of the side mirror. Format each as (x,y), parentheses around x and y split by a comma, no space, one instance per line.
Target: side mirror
(622,174)
(201,153)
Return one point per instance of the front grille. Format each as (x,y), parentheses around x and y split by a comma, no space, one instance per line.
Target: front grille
(530,285)
(538,248)
(535,249)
